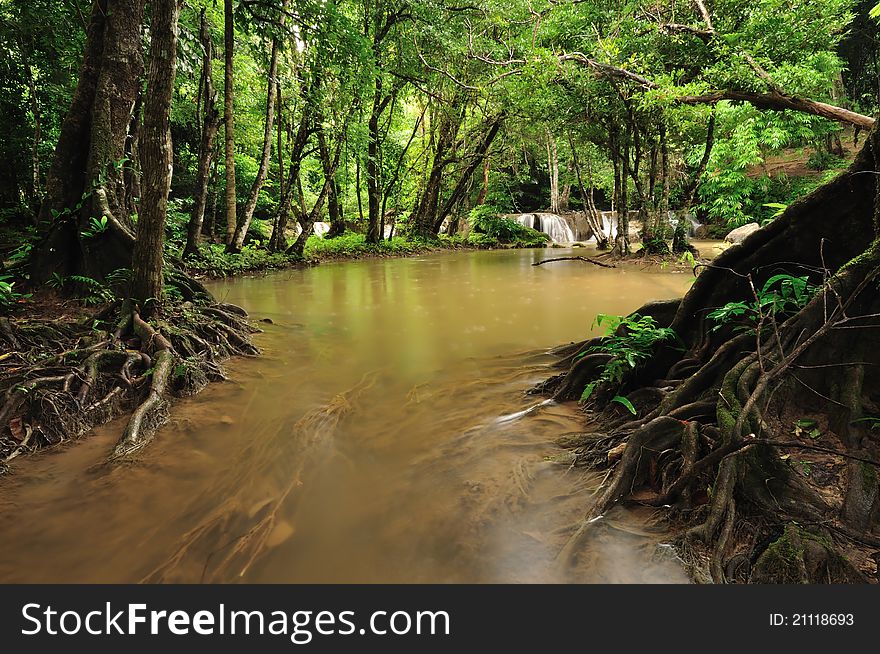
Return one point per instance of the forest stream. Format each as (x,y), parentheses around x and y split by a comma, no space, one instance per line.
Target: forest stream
(384,436)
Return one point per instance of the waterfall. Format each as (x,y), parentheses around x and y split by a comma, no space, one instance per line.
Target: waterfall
(692,227)
(609,224)
(556,227)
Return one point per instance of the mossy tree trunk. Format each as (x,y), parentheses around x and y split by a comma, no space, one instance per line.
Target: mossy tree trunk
(229,117)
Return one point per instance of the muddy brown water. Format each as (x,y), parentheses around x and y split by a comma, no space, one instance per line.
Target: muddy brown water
(384,437)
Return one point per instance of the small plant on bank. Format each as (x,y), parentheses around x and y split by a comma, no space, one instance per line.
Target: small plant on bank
(486,221)
(630,341)
(91,292)
(9,297)
(782,295)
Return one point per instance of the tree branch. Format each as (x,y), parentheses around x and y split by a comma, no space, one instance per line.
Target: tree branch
(592,261)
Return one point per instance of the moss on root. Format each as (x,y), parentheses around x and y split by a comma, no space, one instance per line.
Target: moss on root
(802,556)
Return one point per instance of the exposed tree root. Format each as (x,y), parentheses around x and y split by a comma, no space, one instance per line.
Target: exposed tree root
(715,440)
(60,379)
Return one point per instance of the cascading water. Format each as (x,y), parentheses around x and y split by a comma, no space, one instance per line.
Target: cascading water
(692,222)
(554,226)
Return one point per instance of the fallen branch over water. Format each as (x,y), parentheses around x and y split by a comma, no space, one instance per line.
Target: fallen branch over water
(592,261)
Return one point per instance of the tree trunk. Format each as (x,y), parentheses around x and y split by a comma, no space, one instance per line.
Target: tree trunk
(210,128)
(680,238)
(779,102)
(484,187)
(593,217)
(307,220)
(33,101)
(156,157)
(334,209)
(85,179)
(374,166)
(476,158)
(622,241)
(209,227)
(229,118)
(664,173)
(278,240)
(131,175)
(553,168)
(425,217)
(244,222)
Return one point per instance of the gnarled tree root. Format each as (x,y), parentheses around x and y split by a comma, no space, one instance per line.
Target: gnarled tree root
(58,380)
(715,430)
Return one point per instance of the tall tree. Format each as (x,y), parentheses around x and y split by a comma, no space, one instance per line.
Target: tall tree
(156,156)
(210,127)
(247,215)
(86,179)
(229,116)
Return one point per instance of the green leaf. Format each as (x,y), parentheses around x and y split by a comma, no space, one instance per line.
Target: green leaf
(588,391)
(625,402)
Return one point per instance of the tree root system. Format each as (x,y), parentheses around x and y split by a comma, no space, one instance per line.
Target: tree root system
(757,441)
(59,379)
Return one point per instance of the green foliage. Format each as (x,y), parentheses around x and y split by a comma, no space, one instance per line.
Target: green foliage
(736,189)
(620,399)
(119,281)
(96,226)
(780,296)
(214,260)
(871,421)
(480,240)
(21,253)
(351,245)
(778,209)
(807,427)
(484,219)
(176,226)
(90,291)
(9,297)
(630,340)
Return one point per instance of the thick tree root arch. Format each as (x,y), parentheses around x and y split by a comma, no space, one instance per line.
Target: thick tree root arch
(58,380)
(715,443)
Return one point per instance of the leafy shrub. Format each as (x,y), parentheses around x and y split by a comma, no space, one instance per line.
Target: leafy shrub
(630,340)
(782,295)
(479,240)
(176,225)
(486,220)
(351,244)
(216,261)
